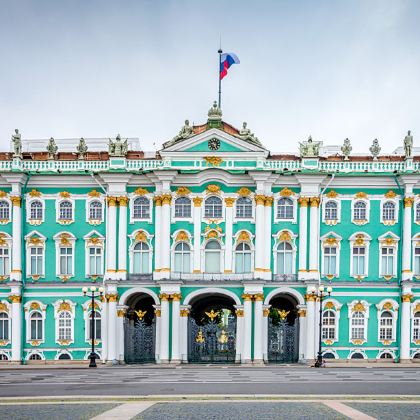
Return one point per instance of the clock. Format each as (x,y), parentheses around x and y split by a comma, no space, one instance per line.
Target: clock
(214,144)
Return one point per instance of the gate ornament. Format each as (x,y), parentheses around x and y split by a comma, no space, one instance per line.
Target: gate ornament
(200,339)
(283,314)
(223,339)
(212,315)
(140,314)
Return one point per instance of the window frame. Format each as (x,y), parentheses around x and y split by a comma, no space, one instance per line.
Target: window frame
(186,218)
(6,220)
(360,222)
(221,251)
(148,219)
(7,318)
(29,203)
(58,308)
(222,208)
(395,202)
(354,244)
(329,221)
(174,254)
(365,312)
(293,200)
(58,210)
(243,253)
(71,239)
(89,202)
(252,205)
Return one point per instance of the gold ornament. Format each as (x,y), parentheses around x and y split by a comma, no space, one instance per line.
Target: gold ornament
(259,199)
(361,194)
(199,338)
(15,298)
(140,314)
(34,193)
(34,306)
(407,297)
(285,192)
(16,200)
(64,306)
(330,241)
(239,312)
(358,307)
(166,199)
(157,312)
(390,194)
(184,312)
(212,315)
(408,201)
(284,236)
(213,160)
(213,189)
(158,200)
(182,191)
(112,201)
(122,201)
(268,202)
(94,193)
(3,194)
(213,234)
(243,192)
(141,191)
(303,201)
(243,236)
(64,194)
(229,201)
(3,307)
(332,194)
(360,239)
(141,236)
(329,305)
(302,313)
(283,314)
(197,201)
(182,236)
(314,201)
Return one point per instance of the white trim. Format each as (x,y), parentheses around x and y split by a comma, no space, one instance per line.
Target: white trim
(277,242)
(251,245)
(90,200)
(72,242)
(395,254)
(222,253)
(9,320)
(394,312)
(133,243)
(175,243)
(58,201)
(357,351)
(365,312)
(100,244)
(221,197)
(132,197)
(284,290)
(86,315)
(331,222)
(57,311)
(385,351)
(337,312)
(63,351)
(353,202)
(277,197)
(7,221)
(29,201)
(134,290)
(28,245)
(244,219)
(367,238)
(395,201)
(8,239)
(330,350)
(28,312)
(30,352)
(337,256)
(182,219)
(211,291)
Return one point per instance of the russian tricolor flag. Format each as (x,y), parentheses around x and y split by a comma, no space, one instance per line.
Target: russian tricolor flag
(226,60)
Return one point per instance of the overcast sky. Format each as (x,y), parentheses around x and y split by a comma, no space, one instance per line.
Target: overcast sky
(332,69)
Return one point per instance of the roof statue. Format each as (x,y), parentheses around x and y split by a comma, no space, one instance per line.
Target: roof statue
(346,149)
(215,113)
(118,148)
(375,149)
(82,149)
(309,148)
(186,132)
(408,145)
(245,134)
(52,149)
(17,144)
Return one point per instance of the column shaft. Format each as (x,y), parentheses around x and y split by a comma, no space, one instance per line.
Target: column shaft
(197,234)
(229,234)
(314,236)
(258,329)
(104,330)
(158,239)
(111,238)
(267,233)
(310,329)
(247,331)
(16,327)
(184,335)
(112,327)
(302,334)
(259,233)
(303,233)
(164,330)
(165,251)
(158,332)
(405,327)
(176,336)
(239,332)
(406,245)
(122,237)
(16,273)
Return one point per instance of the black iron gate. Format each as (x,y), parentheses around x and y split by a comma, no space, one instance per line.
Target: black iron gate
(283,341)
(139,340)
(212,342)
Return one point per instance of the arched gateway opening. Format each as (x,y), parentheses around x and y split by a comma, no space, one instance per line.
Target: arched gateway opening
(139,329)
(212,329)
(283,330)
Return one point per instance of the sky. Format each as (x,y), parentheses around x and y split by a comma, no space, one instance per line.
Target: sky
(327,68)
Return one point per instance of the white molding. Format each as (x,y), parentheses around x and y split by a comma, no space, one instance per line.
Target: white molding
(132,197)
(133,243)
(331,222)
(277,242)
(277,197)
(28,313)
(338,253)
(367,238)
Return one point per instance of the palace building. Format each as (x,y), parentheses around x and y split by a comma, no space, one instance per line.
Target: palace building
(210,250)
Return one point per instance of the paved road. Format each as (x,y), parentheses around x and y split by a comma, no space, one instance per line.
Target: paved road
(221,380)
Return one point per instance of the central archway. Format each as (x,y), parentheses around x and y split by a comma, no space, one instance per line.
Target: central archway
(212,329)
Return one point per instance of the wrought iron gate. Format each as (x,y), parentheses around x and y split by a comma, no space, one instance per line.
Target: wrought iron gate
(283,341)
(139,343)
(211,342)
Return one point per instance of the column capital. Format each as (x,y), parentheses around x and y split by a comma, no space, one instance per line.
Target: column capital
(303,201)
(184,312)
(302,313)
(407,297)
(164,297)
(268,201)
(197,201)
(247,296)
(310,298)
(158,200)
(314,201)
(15,298)
(122,311)
(258,296)
(176,297)
(122,201)
(112,297)
(266,312)
(229,201)
(166,199)
(16,200)
(408,201)
(259,199)
(111,201)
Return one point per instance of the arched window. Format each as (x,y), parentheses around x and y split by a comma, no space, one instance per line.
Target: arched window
(328,355)
(385,326)
(95,316)
(284,258)
(357,355)
(212,257)
(328,325)
(64,356)
(388,211)
(330,260)
(4,326)
(182,257)
(359,210)
(4,261)
(359,260)
(182,207)
(416,326)
(243,258)
(36,326)
(358,326)
(418,212)
(3,357)
(4,210)
(387,261)
(66,210)
(331,210)
(95,261)
(141,208)
(36,260)
(35,211)
(243,208)
(213,208)
(95,210)
(285,208)
(386,356)
(35,356)
(64,326)
(141,258)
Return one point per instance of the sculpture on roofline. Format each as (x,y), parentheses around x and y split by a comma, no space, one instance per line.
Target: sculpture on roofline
(185,132)
(346,149)
(215,113)
(17,144)
(309,148)
(375,149)
(52,149)
(246,134)
(118,148)
(82,149)
(408,145)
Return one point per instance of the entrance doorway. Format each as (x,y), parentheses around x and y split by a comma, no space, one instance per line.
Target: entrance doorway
(283,330)
(140,330)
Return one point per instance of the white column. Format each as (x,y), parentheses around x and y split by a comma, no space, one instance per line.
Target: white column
(176,328)
(16,314)
(164,328)
(405,325)
(16,272)
(314,236)
(229,234)
(197,234)
(303,233)
(104,330)
(268,252)
(406,245)
(266,313)
(258,328)
(302,332)
(165,251)
(239,332)
(310,328)
(157,332)
(316,327)
(158,240)
(184,312)
(247,329)
(122,238)
(121,312)
(112,326)
(259,233)
(111,238)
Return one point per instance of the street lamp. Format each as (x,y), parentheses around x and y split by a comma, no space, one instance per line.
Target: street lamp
(93,293)
(321,294)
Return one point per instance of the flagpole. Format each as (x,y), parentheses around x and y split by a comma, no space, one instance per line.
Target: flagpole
(220,80)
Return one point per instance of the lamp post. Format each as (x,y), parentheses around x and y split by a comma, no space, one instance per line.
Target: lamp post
(321,294)
(93,293)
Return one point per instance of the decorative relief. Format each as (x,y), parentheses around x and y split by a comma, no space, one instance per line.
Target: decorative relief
(3,194)
(34,306)
(65,239)
(330,241)
(240,312)
(111,201)
(303,201)
(213,160)
(94,193)
(197,201)
(268,202)
(140,191)
(64,194)
(357,342)
(329,305)
(166,199)
(388,241)
(302,313)
(213,189)
(284,236)
(244,192)
(361,195)
(121,313)
(408,201)
(34,193)
(16,200)
(122,201)
(3,307)
(314,201)
(141,236)
(229,201)
(64,306)
(259,199)
(182,191)
(285,192)
(360,240)
(358,307)
(332,194)
(35,240)
(182,236)
(15,298)
(64,342)
(390,194)
(407,297)
(3,343)
(212,234)
(244,236)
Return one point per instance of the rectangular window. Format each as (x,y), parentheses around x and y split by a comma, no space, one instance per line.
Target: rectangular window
(359,255)
(4,326)
(95,261)
(385,331)
(4,262)
(330,261)
(36,329)
(36,261)
(417,261)
(387,261)
(66,261)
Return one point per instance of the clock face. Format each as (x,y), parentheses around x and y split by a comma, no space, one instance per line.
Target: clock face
(214,144)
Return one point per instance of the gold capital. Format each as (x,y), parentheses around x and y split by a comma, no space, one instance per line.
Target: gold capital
(229,201)
(407,297)
(158,200)
(15,298)
(166,199)
(314,201)
(123,201)
(302,313)
(16,200)
(408,201)
(184,312)
(157,312)
(121,313)
(112,297)
(197,201)
(259,199)
(266,312)
(239,312)
(176,297)
(268,201)
(112,201)
(303,201)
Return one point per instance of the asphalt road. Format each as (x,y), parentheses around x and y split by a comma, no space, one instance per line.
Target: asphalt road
(219,380)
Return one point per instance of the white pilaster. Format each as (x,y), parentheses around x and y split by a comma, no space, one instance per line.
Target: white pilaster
(258,328)
(229,234)
(16,272)
(302,332)
(247,329)
(303,236)
(239,310)
(158,235)
(122,238)
(267,235)
(314,238)
(165,251)
(266,313)
(405,324)
(164,328)
(111,239)
(184,312)
(16,312)
(112,298)
(158,332)
(104,330)
(310,326)
(176,328)
(407,245)
(121,312)
(197,234)
(259,234)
